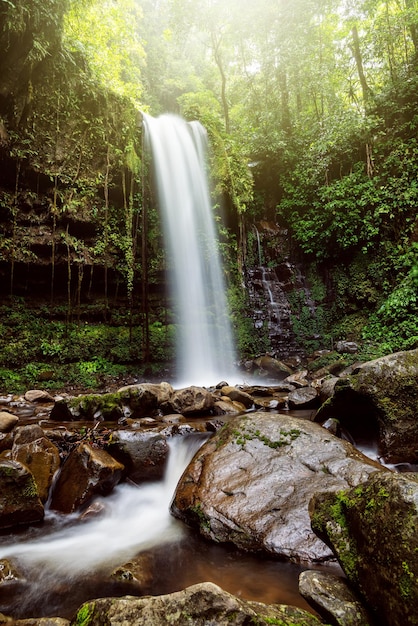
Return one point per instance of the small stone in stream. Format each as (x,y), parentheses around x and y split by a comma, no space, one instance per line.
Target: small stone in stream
(225,406)
(304,398)
(172,419)
(298,379)
(333,425)
(236,395)
(37,395)
(8,572)
(94,510)
(7,421)
(332,597)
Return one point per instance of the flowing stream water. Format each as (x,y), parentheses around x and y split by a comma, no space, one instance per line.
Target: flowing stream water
(205,348)
(67,561)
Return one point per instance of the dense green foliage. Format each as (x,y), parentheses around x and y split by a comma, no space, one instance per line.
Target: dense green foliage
(311,109)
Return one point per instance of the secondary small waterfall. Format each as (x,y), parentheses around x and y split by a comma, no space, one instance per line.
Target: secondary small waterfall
(274,284)
(205,348)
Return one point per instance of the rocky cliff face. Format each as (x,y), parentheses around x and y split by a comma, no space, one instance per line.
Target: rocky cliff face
(279,295)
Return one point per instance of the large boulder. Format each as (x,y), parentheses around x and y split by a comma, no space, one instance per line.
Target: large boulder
(19,499)
(144,454)
(373,530)
(93,407)
(384,393)
(41,456)
(144,399)
(203,604)
(190,401)
(273,366)
(134,401)
(87,472)
(252,482)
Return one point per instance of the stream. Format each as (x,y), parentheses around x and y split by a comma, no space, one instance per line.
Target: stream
(67,559)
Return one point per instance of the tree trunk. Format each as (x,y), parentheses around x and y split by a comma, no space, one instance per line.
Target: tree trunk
(284,96)
(14,226)
(144,263)
(413,27)
(218,61)
(67,243)
(106,222)
(359,63)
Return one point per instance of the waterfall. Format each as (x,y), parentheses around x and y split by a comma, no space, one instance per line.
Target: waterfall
(205,352)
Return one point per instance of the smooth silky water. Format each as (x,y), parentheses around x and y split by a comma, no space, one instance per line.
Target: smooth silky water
(66,561)
(205,351)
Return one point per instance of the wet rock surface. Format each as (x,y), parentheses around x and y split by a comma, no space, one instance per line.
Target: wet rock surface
(87,472)
(256,476)
(7,421)
(252,482)
(201,605)
(383,392)
(30,446)
(373,530)
(334,599)
(303,398)
(19,499)
(143,454)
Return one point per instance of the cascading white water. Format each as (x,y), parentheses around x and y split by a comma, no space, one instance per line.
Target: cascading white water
(134,519)
(205,348)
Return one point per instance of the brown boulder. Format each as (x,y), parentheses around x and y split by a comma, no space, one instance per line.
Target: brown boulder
(86,472)
(145,398)
(273,366)
(189,401)
(236,395)
(7,421)
(42,457)
(38,395)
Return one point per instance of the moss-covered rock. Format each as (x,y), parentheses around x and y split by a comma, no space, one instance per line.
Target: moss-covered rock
(373,531)
(382,392)
(38,454)
(136,401)
(92,407)
(19,499)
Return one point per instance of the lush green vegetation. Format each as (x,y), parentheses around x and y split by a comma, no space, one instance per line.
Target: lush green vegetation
(311,109)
